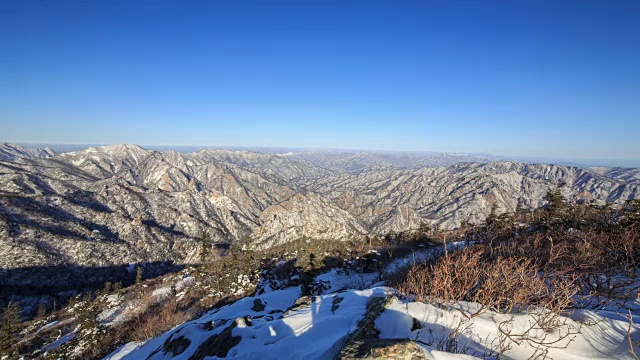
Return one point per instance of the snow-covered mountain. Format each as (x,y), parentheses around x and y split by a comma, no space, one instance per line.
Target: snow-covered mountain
(358,161)
(11,152)
(121,204)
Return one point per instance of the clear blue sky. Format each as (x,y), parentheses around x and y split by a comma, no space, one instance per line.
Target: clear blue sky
(539,78)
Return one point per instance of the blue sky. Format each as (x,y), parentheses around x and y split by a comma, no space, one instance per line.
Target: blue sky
(536,78)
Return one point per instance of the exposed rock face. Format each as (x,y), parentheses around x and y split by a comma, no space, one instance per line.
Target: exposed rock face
(123,204)
(365,343)
(310,217)
(375,349)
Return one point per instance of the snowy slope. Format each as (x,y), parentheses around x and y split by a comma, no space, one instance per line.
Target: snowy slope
(595,336)
(283,325)
(316,331)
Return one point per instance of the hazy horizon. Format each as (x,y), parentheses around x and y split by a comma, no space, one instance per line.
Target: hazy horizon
(579,162)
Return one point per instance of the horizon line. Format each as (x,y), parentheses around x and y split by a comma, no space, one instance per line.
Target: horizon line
(632,162)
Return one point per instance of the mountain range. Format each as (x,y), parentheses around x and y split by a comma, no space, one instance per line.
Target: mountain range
(123,204)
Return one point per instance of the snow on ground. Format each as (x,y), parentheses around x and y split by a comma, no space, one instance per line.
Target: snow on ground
(48,326)
(338,279)
(442,355)
(315,331)
(114,299)
(600,336)
(119,313)
(269,326)
(162,293)
(124,350)
(114,315)
(59,342)
(186,282)
(334,280)
(421,256)
(318,331)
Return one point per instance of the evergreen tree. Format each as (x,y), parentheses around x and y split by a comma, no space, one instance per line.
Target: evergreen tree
(520,209)
(91,331)
(424,229)
(505,221)
(139,273)
(632,215)
(312,261)
(205,245)
(496,224)
(556,202)
(8,326)
(108,287)
(88,311)
(492,219)
(42,311)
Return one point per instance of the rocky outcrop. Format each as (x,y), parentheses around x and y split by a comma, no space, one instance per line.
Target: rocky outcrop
(305,217)
(364,343)
(381,349)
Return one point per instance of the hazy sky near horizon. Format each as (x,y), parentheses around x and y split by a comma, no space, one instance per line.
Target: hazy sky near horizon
(537,78)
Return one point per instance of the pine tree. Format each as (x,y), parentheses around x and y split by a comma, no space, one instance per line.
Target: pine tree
(108,287)
(8,326)
(556,202)
(520,209)
(492,218)
(204,248)
(139,273)
(91,331)
(42,311)
(424,229)
(88,311)
(312,261)
(632,215)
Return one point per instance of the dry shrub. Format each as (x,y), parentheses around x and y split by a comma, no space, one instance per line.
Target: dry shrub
(509,282)
(499,283)
(451,278)
(613,260)
(602,262)
(157,320)
(623,249)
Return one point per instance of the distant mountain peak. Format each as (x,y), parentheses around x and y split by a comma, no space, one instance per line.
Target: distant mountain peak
(11,152)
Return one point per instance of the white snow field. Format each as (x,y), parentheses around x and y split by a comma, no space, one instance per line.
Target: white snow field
(317,331)
(594,336)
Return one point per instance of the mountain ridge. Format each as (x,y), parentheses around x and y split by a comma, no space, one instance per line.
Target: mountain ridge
(123,204)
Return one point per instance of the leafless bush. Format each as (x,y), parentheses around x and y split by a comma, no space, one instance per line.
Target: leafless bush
(498,283)
(452,342)
(148,324)
(510,282)
(602,263)
(633,344)
(538,336)
(451,278)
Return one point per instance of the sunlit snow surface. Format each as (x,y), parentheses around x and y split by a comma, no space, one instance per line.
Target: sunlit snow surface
(316,331)
(319,329)
(600,336)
